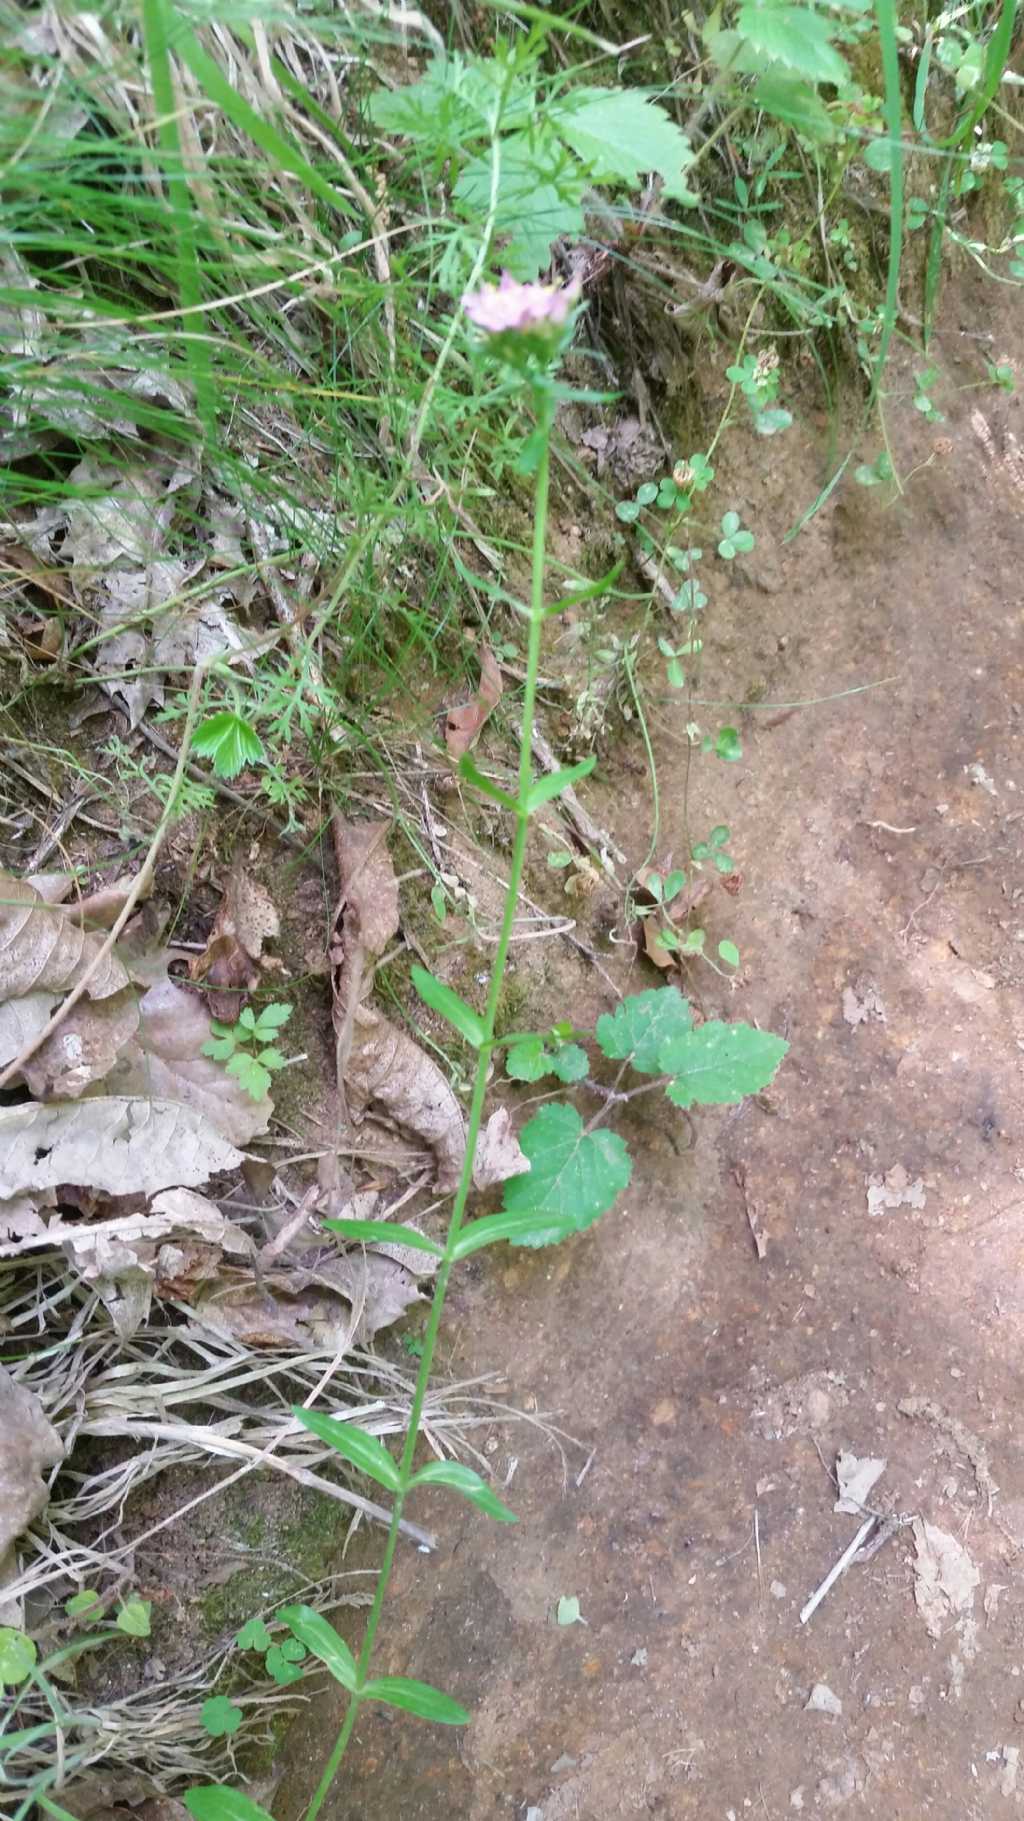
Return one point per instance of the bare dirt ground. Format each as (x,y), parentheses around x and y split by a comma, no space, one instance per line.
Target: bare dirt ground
(881,924)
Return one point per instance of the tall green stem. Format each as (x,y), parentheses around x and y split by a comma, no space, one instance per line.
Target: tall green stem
(476,1108)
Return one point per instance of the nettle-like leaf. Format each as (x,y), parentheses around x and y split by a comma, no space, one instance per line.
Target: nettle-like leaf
(531,1059)
(574,1176)
(540,200)
(795,37)
(619,135)
(638,1029)
(719,1063)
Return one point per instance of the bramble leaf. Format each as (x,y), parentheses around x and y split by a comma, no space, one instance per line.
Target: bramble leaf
(620,135)
(794,37)
(416,1698)
(313,1630)
(720,1063)
(467,1481)
(353,1443)
(637,1029)
(574,1176)
(531,1060)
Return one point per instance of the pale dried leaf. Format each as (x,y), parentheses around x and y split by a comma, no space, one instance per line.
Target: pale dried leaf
(463,725)
(124,522)
(498,1155)
(369,889)
(229,965)
(84,1047)
(184,1237)
(855,1477)
(29,1448)
(41,950)
(945,1576)
(20,1219)
(386,1067)
(21,1021)
(165,1061)
(122,1146)
(339,1302)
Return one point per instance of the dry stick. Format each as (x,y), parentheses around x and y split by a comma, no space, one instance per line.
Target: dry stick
(138,890)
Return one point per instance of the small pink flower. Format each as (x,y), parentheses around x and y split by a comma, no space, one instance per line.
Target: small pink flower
(512,308)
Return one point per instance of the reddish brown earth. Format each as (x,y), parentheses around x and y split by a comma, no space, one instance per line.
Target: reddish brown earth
(880,840)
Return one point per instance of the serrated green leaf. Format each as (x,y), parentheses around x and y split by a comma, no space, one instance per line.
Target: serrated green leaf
(386,1230)
(254,1078)
(215,1802)
(219,1048)
(313,1630)
(17,1657)
(220,1716)
(794,37)
(229,742)
(272,1059)
(353,1443)
(272,1017)
(553,785)
(469,770)
(535,206)
(574,1176)
(247,1019)
(440,998)
(467,1481)
(133,1617)
(719,1063)
(569,1062)
(254,1635)
(416,1698)
(637,1029)
(619,135)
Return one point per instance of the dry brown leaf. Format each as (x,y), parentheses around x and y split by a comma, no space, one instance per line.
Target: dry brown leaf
(165,1061)
(122,1146)
(386,1066)
(674,914)
(338,1302)
(84,1047)
(29,1448)
(498,1155)
(179,1244)
(463,725)
(229,965)
(368,915)
(41,950)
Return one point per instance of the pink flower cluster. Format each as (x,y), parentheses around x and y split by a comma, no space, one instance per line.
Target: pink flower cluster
(512,308)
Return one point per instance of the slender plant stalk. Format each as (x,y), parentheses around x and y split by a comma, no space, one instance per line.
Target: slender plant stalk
(476,1107)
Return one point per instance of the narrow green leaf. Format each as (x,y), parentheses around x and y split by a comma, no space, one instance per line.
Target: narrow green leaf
(416,1698)
(386,1230)
(313,1630)
(469,1483)
(216,1802)
(577,592)
(353,1443)
(469,770)
(637,1029)
(517,1229)
(281,152)
(557,781)
(440,998)
(720,1063)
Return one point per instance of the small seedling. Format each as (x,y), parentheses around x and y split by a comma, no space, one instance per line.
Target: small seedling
(922,397)
(220,1716)
(712,851)
(246,1048)
(735,539)
(876,473)
(230,742)
(1001,374)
